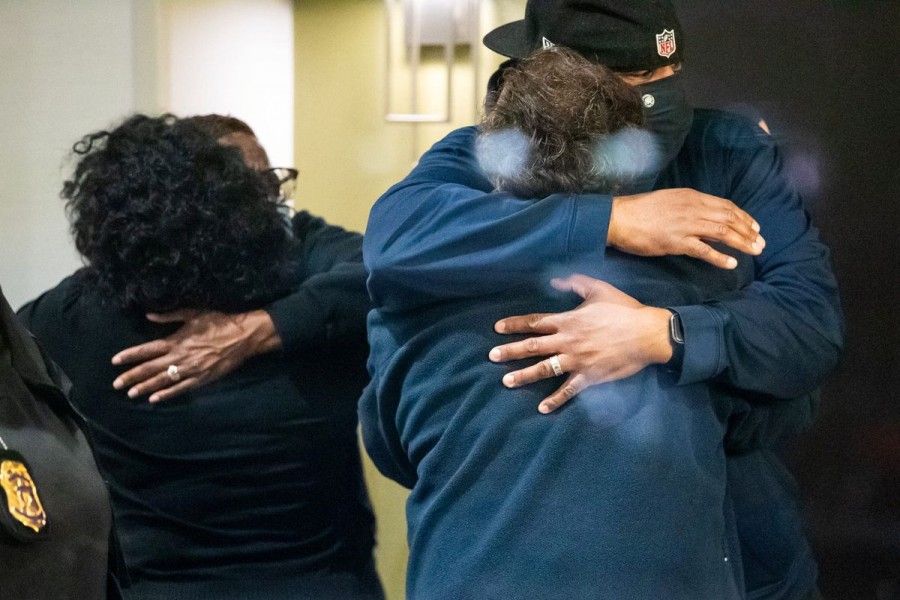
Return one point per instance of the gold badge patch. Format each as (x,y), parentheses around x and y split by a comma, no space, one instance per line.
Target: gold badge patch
(22,498)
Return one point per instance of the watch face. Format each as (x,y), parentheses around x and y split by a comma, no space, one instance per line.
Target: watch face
(675,331)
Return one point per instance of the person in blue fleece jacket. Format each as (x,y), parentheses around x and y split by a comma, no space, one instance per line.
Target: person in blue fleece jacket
(622,493)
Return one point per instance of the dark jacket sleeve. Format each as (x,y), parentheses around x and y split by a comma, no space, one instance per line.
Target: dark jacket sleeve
(330,301)
(441,233)
(761,422)
(783,333)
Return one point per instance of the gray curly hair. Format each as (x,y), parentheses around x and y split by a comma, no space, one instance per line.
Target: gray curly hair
(546,125)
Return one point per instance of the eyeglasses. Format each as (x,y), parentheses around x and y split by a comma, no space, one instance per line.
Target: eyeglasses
(284,183)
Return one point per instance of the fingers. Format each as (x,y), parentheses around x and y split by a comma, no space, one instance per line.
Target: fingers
(722,220)
(735,228)
(141,353)
(728,211)
(705,252)
(582,285)
(177,389)
(176,316)
(534,346)
(698,248)
(536,372)
(677,221)
(544,370)
(574,384)
(721,232)
(153,376)
(162,387)
(149,384)
(141,374)
(591,290)
(568,390)
(534,323)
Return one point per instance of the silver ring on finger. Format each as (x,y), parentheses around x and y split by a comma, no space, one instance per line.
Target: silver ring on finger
(173,373)
(554,364)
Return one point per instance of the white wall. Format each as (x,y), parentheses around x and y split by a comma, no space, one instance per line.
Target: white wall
(234,57)
(66,68)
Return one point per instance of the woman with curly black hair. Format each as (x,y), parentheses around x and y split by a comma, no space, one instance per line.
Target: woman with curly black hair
(167,218)
(250,487)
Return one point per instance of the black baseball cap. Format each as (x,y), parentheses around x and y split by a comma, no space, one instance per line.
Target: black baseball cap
(624,35)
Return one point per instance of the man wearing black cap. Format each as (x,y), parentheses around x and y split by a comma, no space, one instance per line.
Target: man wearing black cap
(769,329)
(777,559)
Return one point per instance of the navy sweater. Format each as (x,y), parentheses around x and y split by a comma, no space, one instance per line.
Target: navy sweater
(622,493)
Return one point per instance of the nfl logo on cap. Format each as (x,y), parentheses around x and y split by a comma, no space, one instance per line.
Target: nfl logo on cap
(665,43)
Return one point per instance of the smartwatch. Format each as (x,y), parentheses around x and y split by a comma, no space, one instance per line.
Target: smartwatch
(676,339)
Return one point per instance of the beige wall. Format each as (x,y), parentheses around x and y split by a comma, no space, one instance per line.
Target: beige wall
(346,152)
(348,155)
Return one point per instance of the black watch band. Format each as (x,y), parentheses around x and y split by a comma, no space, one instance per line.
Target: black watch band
(676,339)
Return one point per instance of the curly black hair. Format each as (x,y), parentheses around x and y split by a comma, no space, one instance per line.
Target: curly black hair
(166,218)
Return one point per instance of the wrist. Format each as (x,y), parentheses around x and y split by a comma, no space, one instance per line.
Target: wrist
(613,232)
(260,332)
(660,349)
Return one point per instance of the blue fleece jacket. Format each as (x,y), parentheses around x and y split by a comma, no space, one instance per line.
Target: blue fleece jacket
(622,493)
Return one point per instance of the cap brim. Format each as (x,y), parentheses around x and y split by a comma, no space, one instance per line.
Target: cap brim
(509,40)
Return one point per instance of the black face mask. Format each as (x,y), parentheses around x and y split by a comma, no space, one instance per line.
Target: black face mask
(667,115)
